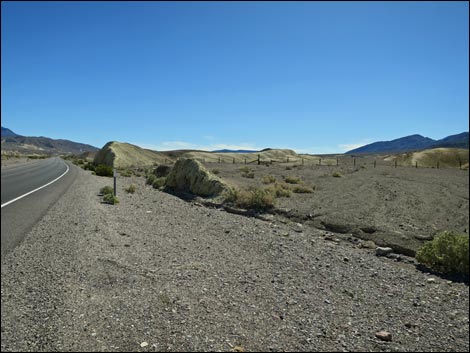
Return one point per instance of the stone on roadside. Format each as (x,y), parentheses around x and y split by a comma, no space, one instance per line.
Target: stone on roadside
(384,336)
(379,251)
(144,344)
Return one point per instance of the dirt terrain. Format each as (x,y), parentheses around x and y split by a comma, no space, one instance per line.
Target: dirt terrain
(157,273)
(398,207)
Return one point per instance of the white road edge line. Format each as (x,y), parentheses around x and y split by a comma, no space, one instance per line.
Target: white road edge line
(39,188)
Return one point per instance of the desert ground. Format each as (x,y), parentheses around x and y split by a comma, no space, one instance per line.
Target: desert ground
(398,207)
(160,273)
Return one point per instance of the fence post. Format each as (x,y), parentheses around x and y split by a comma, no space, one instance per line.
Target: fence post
(233,160)
(460,164)
(319,162)
(219,160)
(259,162)
(437,164)
(395,163)
(375,163)
(114,180)
(245,160)
(287,159)
(354,162)
(302,161)
(416,164)
(337,161)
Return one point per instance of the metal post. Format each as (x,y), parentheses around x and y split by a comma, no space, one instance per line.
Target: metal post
(375,163)
(114,177)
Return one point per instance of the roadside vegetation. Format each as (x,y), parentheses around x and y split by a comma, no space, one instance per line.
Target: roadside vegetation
(446,253)
(108,195)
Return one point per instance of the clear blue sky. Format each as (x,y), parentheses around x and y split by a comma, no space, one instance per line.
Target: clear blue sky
(316,77)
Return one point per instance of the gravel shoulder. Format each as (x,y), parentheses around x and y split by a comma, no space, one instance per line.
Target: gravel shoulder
(181,277)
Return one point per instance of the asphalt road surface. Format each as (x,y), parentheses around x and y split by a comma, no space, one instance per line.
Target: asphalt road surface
(20,212)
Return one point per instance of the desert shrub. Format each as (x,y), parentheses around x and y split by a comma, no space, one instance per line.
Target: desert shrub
(247,172)
(215,171)
(446,253)
(292,180)
(303,189)
(106,190)
(337,175)
(126,173)
(268,179)
(104,170)
(279,190)
(150,179)
(158,182)
(89,166)
(231,195)
(111,199)
(130,189)
(255,199)
(288,168)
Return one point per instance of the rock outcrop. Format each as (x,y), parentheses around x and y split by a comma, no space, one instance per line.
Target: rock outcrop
(190,176)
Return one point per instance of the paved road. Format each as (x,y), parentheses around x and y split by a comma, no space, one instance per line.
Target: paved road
(19,216)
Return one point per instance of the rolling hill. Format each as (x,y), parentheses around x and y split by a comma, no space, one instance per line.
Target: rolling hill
(413,143)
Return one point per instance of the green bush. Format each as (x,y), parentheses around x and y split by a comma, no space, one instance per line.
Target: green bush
(126,173)
(292,180)
(111,199)
(446,253)
(106,190)
(231,195)
(89,166)
(254,199)
(104,170)
(130,189)
(150,179)
(158,182)
(337,175)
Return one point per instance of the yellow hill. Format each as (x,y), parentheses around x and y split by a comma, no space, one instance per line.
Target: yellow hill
(447,157)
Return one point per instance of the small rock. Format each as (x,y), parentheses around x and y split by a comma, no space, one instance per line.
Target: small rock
(144,344)
(383,251)
(238,349)
(431,280)
(384,336)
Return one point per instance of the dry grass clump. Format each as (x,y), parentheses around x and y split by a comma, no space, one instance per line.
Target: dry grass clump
(268,179)
(337,175)
(279,190)
(130,189)
(292,180)
(247,172)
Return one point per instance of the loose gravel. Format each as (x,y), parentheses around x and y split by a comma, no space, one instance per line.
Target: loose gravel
(156,273)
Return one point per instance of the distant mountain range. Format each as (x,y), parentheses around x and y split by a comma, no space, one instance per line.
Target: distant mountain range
(413,143)
(41,145)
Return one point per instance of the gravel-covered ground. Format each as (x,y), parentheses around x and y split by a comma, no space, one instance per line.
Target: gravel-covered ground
(399,207)
(156,273)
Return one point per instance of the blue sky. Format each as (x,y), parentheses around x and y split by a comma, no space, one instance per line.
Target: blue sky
(318,77)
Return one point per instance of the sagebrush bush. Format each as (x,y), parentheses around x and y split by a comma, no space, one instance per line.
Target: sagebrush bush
(111,199)
(126,173)
(104,170)
(130,189)
(89,166)
(292,180)
(268,179)
(252,199)
(337,175)
(107,190)
(446,253)
(255,199)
